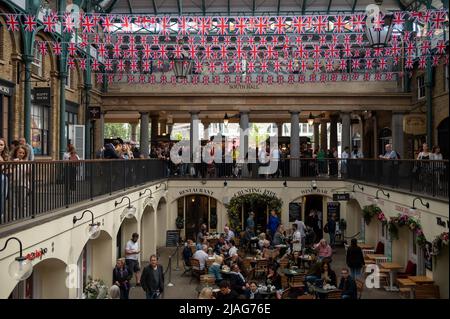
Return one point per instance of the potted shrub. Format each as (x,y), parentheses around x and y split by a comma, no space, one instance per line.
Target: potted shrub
(179,222)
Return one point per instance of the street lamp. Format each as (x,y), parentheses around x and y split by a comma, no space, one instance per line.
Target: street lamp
(375,201)
(130,209)
(147,189)
(380,35)
(412,210)
(182,67)
(310,119)
(21,268)
(94,228)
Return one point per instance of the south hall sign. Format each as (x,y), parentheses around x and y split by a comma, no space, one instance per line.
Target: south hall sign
(255,191)
(196,191)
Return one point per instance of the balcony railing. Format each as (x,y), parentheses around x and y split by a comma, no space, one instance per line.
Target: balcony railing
(28,189)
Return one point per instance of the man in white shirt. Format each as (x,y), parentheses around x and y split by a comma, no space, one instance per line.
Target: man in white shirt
(132,257)
(229,234)
(344,156)
(301,227)
(202,256)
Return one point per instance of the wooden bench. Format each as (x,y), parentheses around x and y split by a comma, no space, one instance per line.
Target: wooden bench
(427,291)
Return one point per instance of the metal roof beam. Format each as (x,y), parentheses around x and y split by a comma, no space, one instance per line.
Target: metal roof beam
(229,7)
(129,6)
(278,7)
(155,8)
(204,7)
(329,6)
(354,5)
(111,6)
(401,5)
(253,7)
(180,7)
(304,7)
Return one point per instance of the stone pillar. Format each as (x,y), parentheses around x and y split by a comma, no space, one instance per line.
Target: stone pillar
(194,136)
(99,132)
(133,131)
(333,132)
(169,129)
(206,130)
(295,145)
(280,129)
(316,135)
(154,127)
(397,133)
(345,131)
(323,136)
(143,144)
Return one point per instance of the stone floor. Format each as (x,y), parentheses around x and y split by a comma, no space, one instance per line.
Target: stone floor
(184,288)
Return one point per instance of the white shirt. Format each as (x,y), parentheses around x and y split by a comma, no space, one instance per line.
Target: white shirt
(301,227)
(134,246)
(344,155)
(297,237)
(233,251)
(437,157)
(230,235)
(202,257)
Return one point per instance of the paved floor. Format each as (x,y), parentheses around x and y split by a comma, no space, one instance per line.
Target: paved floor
(184,288)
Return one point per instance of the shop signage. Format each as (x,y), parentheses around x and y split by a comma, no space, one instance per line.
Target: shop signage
(255,191)
(41,96)
(94,112)
(341,197)
(406,211)
(244,87)
(196,191)
(4,90)
(415,124)
(314,191)
(38,253)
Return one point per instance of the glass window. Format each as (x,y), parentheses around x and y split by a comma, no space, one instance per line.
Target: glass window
(421,86)
(40,116)
(37,61)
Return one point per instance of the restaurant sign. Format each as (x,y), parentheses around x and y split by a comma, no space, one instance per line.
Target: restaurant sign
(195,190)
(255,190)
(38,253)
(415,124)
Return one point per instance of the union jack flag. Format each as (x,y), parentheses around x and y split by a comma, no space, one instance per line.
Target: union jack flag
(356,64)
(269,79)
(241,26)
(72,49)
(225,67)
(409,64)
(280,23)
(334,77)
(261,25)
(82,63)
(329,65)
(313,78)
(399,19)
(259,79)
(436,60)
(299,24)
(303,66)
(183,26)
(291,79)
(142,78)
(343,65)
(339,24)
(30,23)
(108,65)
(301,78)
(389,76)
(368,53)
(378,76)
(68,23)
(99,78)
(317,65)
(358,22)
(42,47)
(216,79)
(198,66)
(121,65)
(226,79)
(12,23)
(382,64)
(344,77)
(366,76)
(95,65)
(237,79)
(280,79)
(248,79)
(441,47)
(355,76)
(438,19)
(251,67)
(323,77)
(110,78)
(425,48)
(212,67)
(320,24)
(57,48)
(369,64)
(422,62)
(49,23)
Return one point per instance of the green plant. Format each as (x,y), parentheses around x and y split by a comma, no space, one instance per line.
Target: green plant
(179,222)
(369,212)
(393,230)
(95,289)
(236,203)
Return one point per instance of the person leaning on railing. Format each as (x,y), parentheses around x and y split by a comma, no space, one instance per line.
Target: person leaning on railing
(21,182)
(439,167)
(4,157)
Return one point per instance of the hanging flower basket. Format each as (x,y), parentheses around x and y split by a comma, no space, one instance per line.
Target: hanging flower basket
(369,212)
(439,242)
(234,207)
(414,225)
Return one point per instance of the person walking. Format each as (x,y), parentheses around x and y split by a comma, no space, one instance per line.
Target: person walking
(251,221)
(132,257)
(121,278)
(273,223)
(331,229)
(355,258)
(152,280)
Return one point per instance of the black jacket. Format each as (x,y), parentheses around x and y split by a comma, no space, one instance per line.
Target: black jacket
(231,296)
(355,258)
(236,283)
(348,287)
(147,277)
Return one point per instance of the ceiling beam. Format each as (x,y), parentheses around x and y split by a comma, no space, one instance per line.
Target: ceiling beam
(354,5)
(111,6)
(180,7)
(401,5)
(229,7)
(278,7)
(204,7)
(329,6)
(253,7)
(304,7)
(155,8)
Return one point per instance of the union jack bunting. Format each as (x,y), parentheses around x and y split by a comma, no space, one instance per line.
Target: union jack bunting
(11,23)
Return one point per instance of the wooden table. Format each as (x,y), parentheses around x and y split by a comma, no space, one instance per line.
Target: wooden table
(392,267)
(408,283)
(366,246)
(421,280)
(374,256)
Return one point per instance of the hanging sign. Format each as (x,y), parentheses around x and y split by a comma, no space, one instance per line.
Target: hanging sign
(341,197)
(94,112)
(41,96)
(415,124)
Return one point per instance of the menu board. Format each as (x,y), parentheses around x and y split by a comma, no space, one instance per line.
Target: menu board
(334,208)
(172,238)
(295,212)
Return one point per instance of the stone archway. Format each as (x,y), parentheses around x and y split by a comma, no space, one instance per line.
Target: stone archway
(162,224)
(127,228)
(355,227)
(148,232)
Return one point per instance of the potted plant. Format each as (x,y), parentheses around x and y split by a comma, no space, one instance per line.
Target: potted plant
(95,289)
(179,222)
(370,211)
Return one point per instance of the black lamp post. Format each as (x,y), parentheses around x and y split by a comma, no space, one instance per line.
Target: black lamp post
(94,228)
(376,195)
(21,268)
(413,208)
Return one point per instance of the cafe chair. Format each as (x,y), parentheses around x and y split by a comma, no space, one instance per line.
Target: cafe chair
(261,268)
(410,270)
(297,281)
(209,280)
(384,273)
(359,287)
(334,294)
(196,272)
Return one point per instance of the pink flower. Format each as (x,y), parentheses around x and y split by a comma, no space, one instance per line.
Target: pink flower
(419,232)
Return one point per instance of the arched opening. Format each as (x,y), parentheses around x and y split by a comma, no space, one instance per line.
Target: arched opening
(354,220)
(443,137)
(48,281)
(148,233)
(127,228)
(161,218)
(384,137)
(95,261)
(314,217)
(196,210)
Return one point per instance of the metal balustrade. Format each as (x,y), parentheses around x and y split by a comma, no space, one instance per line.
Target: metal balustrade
(28,189)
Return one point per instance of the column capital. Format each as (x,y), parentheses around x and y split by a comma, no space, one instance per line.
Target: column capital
(294,113)
(142,113)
